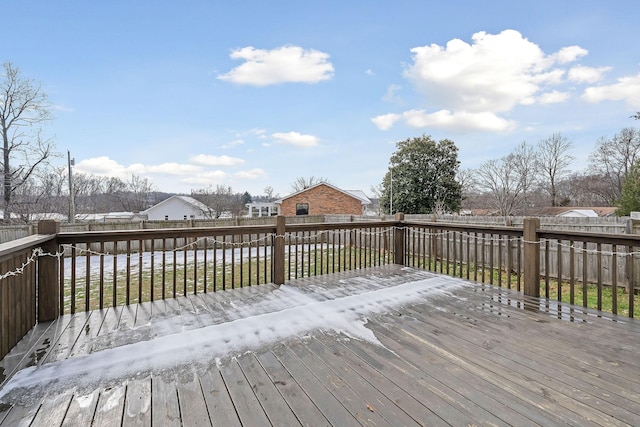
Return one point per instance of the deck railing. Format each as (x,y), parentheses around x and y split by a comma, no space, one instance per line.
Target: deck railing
(77,271)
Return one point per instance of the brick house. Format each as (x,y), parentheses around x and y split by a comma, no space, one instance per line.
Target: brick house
(323,199)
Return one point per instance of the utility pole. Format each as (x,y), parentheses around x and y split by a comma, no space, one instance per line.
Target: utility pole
(72,204)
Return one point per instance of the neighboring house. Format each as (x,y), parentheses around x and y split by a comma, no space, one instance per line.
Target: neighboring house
(178,208)
(111,217)
(262,209)
(577,211)
(324,199)
(48,216)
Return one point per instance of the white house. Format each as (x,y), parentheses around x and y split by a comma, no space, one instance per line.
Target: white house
(580,213)
(177,208)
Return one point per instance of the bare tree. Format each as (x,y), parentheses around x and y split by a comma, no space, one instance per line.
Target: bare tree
(301,183)
(218,200)
(134,197)
(270,194)
(524,160)
(612,160)
(502,179)
(553,162)
(23,109)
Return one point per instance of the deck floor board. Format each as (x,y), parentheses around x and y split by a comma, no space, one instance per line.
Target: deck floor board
(472,354)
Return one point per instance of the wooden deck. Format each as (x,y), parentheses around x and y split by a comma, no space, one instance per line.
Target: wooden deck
(464,354)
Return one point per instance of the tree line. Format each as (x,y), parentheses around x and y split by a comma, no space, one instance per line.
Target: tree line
(424,176)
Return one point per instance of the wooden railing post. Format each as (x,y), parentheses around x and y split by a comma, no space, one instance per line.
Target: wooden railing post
(531,257)
(278,251)
(398,240)
(48,282)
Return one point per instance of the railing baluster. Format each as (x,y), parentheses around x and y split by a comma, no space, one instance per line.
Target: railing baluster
(214,253)
(73,279)
(233,262)
(152,267)
(164,268)
(572,272)
(140,249)
(114,303)
(547,263)
(87,280)
(614,279)
(195,266)
(491,260)
(631,288)
(559,262)
(500,265)
(128,274)
(101,275)
(599,257)
(585,277)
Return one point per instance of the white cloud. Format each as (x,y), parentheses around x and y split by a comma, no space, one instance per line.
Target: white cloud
(101,166)
(553,97)
(626,89)
(281,65)
(472,84)
(390,95)
(569,54)
(295,138)
(209,160)
(582,74)
(233,143)
(206,178)
(256,173)
(172,169)
(458,121)
(385,121)
(370,72)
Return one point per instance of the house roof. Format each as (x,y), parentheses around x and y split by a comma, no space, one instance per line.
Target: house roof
(356,194)
(185,199)
(578,210)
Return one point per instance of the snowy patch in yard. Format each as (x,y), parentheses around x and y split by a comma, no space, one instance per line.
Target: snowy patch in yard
(264,324)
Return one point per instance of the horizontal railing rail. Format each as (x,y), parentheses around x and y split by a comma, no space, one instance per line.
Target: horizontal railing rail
(98,269)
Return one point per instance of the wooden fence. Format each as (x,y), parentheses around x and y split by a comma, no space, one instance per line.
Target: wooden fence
(80,270)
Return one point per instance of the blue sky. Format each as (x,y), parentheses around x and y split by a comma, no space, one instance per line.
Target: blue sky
(257,93)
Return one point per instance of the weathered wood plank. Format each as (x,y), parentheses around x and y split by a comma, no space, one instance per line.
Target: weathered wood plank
(331,406)
(193,407)
(304,408)
(165,409)
(496,399)
(276,408)
(137,410)
(20,416)
(110,406)
(411,404)
(390,400)
(219,404)
(61,348)
(86,337)
(521,386)
(28,351)
(566,381)
(81,410)
(247,405)
(53,410)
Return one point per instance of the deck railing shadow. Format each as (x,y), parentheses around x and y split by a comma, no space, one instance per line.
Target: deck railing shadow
(54,273)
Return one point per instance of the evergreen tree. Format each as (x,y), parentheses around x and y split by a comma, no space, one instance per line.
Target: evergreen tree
(629,200)
(422,177)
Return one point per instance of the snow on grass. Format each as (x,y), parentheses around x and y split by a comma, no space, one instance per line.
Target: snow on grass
(264,323)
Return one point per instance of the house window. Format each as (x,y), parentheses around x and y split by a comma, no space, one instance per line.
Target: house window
(185,217)
(302,208)
(166,217)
